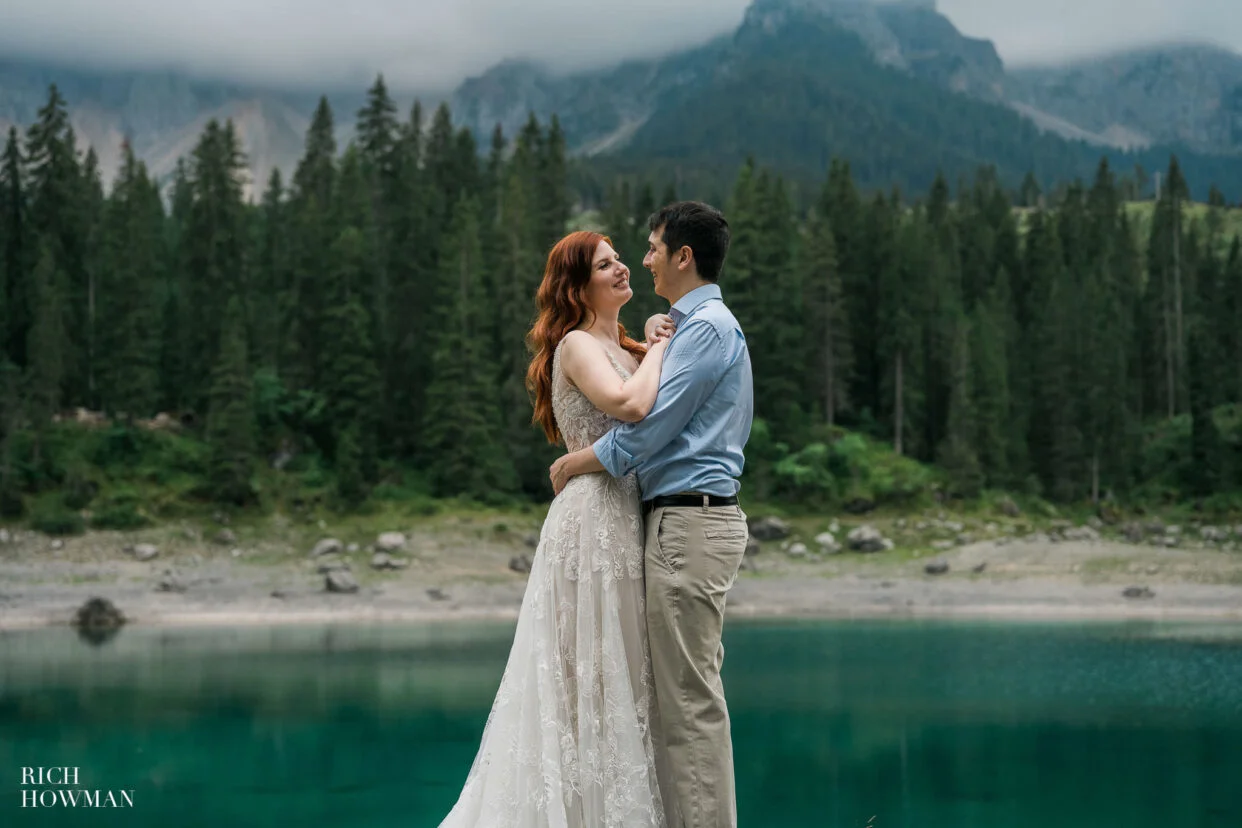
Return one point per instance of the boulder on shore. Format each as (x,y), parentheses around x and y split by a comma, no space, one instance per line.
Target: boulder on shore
(769,529)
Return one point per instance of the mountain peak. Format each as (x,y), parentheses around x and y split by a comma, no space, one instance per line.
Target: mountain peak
(910,35)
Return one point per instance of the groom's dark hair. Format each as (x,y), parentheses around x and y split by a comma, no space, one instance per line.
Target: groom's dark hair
(698,226)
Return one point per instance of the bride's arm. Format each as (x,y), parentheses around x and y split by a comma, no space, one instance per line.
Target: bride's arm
(587,366)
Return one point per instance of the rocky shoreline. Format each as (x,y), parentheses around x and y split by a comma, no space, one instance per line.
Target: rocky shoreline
(476,568)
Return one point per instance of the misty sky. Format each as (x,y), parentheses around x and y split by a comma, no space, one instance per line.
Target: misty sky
(433,45)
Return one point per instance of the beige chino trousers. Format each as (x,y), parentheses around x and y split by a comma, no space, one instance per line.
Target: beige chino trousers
(692,558)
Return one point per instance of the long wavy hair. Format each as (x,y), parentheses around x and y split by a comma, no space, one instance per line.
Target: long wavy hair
(563,307)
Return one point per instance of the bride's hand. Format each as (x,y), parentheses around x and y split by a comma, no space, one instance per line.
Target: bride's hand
(658,327)
(559,474)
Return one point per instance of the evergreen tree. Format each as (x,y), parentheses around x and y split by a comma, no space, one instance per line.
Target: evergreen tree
(11,414)
(1215,216)
(990,347)
(413,285)
(444,179)
(902,295)
(644,207)
(86,301)
(1231,311)
(462,441)
(669,196)
(825,319)
(215,244)
(465,161)
(178,365)
(53,175)
(618,222)
(1206,472)
(957,453)
(352,208)
(231,416)
(553,194)
(518,272)
(378,149)
(1164,317)
(46,346)
(1030,194)
(54,186)
(1107,288)
(313,229)
(492,204)
(378,132)
(349,374)
(129,278)
(777,282)
(762,281)
(945,318)
(14,241)
(839,204)
(351,479)
(1056,444)
(271,299)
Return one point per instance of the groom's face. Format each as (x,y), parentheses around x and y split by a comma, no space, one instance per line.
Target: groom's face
(658,261)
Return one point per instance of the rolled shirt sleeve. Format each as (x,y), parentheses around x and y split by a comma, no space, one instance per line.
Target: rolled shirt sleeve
(693,364)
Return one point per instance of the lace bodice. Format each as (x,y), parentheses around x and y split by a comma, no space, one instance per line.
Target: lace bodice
(580,422)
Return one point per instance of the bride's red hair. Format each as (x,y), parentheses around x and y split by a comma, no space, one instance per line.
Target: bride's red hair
(562,307)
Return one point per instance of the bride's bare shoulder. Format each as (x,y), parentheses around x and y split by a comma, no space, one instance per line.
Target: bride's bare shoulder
(576,340)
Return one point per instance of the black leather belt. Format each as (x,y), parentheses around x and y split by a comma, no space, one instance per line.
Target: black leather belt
(688,500)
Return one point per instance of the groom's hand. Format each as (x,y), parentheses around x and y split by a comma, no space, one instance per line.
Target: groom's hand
(658,327)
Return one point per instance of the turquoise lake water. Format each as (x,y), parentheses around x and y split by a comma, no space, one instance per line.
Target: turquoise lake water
(934,725)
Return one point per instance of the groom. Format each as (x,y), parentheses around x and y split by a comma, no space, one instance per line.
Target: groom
(688,455)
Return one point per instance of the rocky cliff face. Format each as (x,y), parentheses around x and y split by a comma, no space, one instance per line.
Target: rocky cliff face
(910,35)
(1186,94)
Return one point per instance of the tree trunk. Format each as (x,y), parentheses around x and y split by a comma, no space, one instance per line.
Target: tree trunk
(1170,379)
(1180,350)
(899,414)
(1095,477)
(830,370)
(90,338)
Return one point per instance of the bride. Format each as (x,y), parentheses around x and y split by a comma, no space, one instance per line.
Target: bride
(567,743)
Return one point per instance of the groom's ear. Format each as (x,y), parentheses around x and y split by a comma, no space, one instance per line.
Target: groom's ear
(685,257)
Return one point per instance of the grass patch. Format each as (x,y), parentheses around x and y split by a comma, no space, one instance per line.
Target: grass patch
(51,516)
(128,479)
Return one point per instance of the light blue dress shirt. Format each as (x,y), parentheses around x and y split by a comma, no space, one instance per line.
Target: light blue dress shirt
(693,438)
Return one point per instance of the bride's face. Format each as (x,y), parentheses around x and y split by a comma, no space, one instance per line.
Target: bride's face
(609,287)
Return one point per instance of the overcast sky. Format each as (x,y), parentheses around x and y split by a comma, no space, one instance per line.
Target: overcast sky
(433,45)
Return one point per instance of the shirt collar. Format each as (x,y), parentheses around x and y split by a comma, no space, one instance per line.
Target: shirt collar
(686,304)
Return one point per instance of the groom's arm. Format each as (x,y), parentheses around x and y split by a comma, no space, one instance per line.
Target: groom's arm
(582,461)
(693,365)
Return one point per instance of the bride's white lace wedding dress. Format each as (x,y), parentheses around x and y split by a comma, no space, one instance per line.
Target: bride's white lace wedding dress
(567,743)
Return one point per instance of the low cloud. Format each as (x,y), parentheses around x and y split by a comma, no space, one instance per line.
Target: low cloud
(1027,32)
(329,44)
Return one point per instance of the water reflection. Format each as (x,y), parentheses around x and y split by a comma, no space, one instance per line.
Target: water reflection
(97,636)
